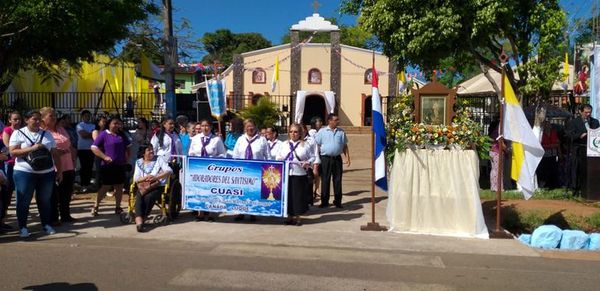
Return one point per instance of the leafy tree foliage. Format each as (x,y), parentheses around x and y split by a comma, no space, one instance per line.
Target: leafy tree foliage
(425,32)
(223,44)
(46,35)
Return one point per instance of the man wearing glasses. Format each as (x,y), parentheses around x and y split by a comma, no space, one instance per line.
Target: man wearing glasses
(332,142)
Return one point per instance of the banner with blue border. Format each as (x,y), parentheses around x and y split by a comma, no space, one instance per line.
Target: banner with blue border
(235,186)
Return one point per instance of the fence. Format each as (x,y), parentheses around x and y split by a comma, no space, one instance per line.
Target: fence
(195,106)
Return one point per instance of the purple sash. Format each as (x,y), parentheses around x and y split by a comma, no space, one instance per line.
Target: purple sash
(290,156)
(173,147)
(272,145)
(205,141)
(249,154)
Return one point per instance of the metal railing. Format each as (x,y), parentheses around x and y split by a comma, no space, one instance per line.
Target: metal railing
(195,106)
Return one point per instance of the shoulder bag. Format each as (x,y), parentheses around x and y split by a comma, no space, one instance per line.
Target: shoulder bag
(40,159)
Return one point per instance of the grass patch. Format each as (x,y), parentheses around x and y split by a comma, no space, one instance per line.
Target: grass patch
(594,222)
(527,221)
(540,194)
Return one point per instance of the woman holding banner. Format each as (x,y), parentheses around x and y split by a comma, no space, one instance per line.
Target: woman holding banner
(251,146)
(206,145)
(300,155)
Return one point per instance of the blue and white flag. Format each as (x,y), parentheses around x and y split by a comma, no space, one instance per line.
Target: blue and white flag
(215,91)
(380,136)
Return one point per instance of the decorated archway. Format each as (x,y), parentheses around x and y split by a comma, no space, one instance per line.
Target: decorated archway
(314,106)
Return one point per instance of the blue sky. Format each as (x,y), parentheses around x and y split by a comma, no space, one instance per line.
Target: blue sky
(273,18)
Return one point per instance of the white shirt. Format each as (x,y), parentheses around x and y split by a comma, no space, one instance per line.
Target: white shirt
(214,148)
(153,168)
(304,152)
(164,150)
(260,148)
(310,140)
(273,145)
(84,143)
(18,138)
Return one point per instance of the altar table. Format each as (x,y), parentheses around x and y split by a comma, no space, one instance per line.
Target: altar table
(436,192)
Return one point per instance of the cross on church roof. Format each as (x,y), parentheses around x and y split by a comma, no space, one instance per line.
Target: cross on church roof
(316,5)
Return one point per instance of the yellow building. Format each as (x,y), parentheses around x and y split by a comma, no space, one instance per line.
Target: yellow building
(314,78)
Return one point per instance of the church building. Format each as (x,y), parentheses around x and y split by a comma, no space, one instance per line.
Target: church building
(314,78)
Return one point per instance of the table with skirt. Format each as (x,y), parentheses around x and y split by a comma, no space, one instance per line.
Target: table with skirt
(436,192)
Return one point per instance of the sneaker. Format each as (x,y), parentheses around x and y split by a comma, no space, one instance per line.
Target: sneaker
(49,230)
(24,232)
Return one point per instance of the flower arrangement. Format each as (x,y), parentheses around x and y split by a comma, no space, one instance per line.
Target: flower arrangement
(463,133)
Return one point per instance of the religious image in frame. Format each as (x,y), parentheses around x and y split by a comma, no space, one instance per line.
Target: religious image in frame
(433,110)
(259,76)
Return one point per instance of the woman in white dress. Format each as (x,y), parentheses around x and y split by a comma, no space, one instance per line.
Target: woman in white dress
(166,141)
(206,145)
(251,146)
(300,155)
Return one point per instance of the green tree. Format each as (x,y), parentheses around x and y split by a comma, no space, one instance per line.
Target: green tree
(425,32)
(264,113)
(47,35)
(349,35)
(223,44)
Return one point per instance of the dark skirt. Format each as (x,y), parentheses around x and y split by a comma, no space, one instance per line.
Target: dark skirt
(299,195)
(112,174)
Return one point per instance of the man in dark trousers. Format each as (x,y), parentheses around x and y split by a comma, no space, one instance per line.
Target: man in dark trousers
(332,142)
(576,131)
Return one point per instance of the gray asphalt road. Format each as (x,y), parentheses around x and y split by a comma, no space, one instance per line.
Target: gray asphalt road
(145,264)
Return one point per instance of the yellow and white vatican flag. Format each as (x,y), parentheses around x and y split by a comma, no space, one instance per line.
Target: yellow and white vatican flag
(275,79)
(527,152)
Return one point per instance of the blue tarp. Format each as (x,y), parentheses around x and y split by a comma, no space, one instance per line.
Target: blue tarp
(594,244)
(574,240)
(546,237)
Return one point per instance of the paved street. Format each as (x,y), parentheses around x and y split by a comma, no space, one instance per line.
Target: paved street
(328,252)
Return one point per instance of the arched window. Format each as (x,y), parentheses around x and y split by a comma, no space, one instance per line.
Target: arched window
(259,76)
(314,76)
(368,76)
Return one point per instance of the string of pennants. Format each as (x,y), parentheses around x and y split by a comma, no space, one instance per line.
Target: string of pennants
(295,50)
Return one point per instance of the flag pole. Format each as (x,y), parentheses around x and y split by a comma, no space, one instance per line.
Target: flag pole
(498,231)
(372,226)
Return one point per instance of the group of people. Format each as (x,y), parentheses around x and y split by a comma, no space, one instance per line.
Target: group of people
(38,157)
(564,161)
(106,146)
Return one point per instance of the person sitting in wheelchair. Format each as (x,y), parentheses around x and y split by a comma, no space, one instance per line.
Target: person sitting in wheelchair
(150,176)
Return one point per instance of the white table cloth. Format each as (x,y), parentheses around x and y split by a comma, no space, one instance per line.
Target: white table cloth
(436,192)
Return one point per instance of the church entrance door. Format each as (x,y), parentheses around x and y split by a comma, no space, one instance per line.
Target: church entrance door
(314,106)
(367,116)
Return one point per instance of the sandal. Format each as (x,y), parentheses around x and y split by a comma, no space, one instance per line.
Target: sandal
(94,211)
(118,210)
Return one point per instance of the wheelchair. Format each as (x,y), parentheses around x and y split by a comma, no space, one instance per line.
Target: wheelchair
(169,202)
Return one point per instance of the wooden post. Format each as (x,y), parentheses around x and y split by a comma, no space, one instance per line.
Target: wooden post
(498,231)
(373,226)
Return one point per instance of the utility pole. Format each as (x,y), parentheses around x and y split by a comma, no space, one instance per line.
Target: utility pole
(170,58)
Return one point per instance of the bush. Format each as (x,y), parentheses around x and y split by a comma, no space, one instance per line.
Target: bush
(264,113)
